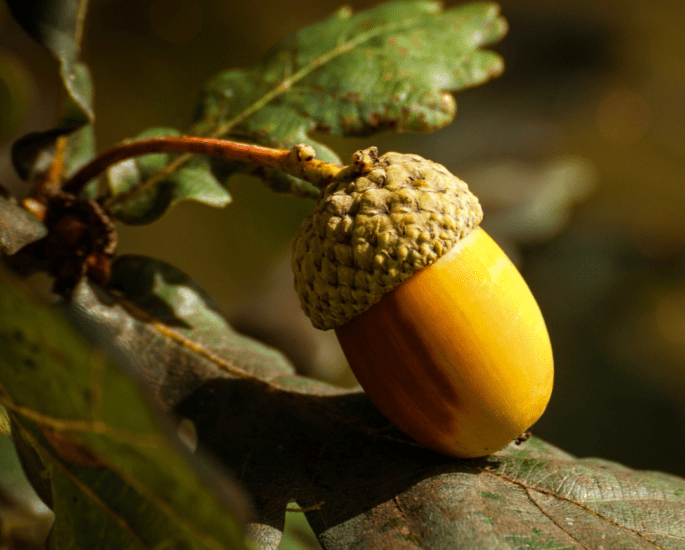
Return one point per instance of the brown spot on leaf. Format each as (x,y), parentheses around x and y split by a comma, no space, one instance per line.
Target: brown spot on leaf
(70,450)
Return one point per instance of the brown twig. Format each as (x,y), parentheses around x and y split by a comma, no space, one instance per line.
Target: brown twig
(49,183)
(299,161)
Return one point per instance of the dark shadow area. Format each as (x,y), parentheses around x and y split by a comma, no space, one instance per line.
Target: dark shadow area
(336,455)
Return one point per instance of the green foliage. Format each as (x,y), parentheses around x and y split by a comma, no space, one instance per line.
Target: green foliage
(386,69)
(389,68)
(192,181)
(109,473)
(98,443)
(58,26)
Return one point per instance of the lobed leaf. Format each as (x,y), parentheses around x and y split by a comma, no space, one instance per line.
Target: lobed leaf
(193,181)
(362,483)
(156,307)
(94,451)
(390,68)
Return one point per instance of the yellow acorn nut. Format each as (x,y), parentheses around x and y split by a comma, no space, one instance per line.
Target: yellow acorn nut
(437,324)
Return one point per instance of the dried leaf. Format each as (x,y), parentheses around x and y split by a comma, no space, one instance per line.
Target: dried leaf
(366,488)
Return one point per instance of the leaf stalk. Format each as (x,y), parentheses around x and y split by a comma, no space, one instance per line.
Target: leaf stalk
(299,161)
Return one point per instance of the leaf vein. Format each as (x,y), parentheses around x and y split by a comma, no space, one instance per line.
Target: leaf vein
(314,64)
(120,521)
(550,518)
(139,439)
(568,500)
(164,506)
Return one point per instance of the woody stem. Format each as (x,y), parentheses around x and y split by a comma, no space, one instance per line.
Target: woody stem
(298,162)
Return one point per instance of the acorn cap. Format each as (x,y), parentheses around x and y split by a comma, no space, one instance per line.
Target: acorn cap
(379,220)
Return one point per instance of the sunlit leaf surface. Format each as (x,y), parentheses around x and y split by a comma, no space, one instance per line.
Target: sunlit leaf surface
(389,68)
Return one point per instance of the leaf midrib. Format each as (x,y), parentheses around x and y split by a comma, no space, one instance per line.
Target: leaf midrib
(282,87)
(580,505)
(316,63)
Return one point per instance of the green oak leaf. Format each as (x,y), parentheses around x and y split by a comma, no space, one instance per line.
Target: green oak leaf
(389,68)
(193,181)
(360,482)
(94,450)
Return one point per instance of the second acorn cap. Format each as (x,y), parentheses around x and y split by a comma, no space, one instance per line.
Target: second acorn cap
(377,222)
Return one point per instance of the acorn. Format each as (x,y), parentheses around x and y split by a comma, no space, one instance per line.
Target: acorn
(437,324)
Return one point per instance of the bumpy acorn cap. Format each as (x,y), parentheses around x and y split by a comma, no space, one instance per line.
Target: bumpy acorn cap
(375,224)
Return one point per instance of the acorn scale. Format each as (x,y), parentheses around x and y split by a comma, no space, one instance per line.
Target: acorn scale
(437,324)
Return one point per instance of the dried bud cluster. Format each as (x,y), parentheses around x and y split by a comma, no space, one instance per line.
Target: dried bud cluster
(377,222)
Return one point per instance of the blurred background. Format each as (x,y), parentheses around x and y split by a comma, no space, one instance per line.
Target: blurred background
(577,153)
